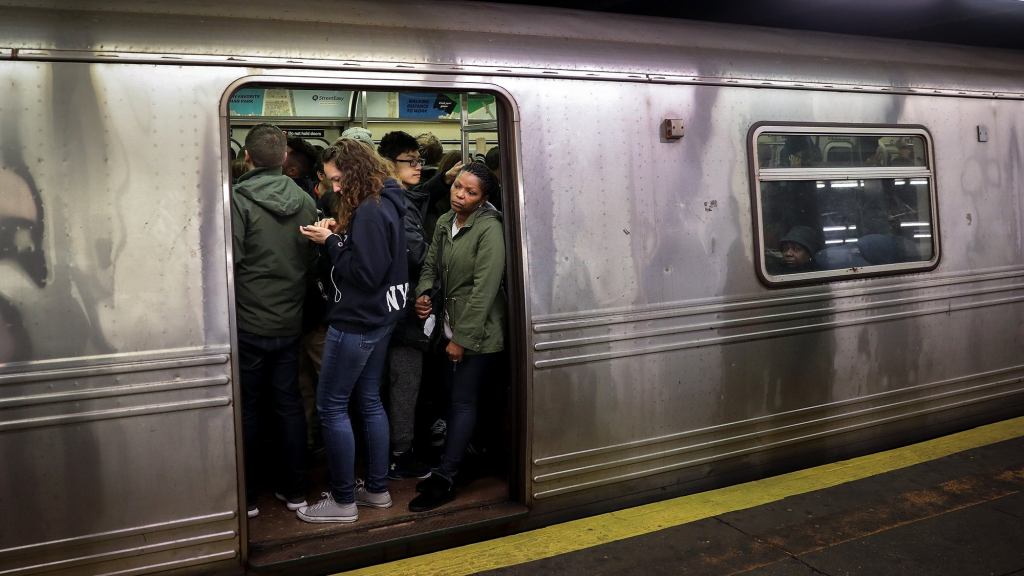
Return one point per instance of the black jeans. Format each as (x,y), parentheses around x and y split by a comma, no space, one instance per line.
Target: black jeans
(463,381)
(269,369)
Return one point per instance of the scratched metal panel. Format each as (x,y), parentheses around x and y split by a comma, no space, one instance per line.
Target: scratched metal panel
(116,417)
(122,176)
(118,467)
(530,39)
(652,334)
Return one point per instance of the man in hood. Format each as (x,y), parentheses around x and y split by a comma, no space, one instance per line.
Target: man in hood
(272,264)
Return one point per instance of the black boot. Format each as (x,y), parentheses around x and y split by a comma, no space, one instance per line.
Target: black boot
(433,492)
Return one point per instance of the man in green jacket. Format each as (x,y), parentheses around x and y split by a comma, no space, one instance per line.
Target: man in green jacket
(272,265)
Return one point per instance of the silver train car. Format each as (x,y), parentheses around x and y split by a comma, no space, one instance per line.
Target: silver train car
(656,176)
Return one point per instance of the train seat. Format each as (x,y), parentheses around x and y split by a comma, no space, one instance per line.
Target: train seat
(886,249)
(839,256)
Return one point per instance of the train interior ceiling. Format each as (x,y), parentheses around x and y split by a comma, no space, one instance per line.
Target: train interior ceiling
(320,115)
(466,124)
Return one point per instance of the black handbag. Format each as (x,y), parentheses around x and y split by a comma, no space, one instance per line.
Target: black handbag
(437,341)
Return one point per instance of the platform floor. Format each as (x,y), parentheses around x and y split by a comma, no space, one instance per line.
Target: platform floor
(949,506)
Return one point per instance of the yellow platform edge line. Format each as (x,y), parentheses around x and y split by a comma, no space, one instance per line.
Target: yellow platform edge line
(594,530)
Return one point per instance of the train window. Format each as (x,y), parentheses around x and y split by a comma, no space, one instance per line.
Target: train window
(839,202)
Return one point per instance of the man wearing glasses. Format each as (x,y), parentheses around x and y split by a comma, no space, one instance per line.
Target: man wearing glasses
(402,150)
(405,356)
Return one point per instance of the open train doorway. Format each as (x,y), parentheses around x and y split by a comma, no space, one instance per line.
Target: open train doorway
(424,136)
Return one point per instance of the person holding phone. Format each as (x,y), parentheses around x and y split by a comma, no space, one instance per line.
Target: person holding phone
(366,245)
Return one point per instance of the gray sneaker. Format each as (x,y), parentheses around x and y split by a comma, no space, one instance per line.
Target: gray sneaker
(327,510)
(372,499)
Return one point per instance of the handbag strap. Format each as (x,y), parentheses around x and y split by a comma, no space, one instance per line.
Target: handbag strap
(440,292)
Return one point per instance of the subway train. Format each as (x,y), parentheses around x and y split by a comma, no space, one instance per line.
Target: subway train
(732,251)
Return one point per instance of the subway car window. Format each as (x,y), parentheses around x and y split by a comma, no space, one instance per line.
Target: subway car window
(841,202)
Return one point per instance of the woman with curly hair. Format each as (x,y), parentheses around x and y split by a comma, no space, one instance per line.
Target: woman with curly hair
(366,245)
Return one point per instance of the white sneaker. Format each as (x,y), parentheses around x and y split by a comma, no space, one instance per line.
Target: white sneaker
(292,503)
(327,510)
(372,499)
(252,511)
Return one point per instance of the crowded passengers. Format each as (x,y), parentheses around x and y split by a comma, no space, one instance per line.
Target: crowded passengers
(338,279)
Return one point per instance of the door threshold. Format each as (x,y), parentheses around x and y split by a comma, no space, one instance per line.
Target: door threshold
(281,543)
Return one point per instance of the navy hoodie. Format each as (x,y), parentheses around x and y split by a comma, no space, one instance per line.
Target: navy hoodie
(369,266)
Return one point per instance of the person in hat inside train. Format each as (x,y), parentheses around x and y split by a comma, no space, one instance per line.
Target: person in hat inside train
(359,134)
(798,248)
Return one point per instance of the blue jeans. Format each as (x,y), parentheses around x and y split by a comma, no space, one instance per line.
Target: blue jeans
(353,364)
(463,381)
(269,371)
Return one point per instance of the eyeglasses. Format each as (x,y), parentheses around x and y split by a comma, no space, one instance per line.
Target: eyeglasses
(414,163)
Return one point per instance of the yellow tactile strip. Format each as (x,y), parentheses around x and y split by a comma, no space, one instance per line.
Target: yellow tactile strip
(603,528)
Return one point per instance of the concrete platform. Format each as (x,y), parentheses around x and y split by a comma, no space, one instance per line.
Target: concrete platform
(950,506)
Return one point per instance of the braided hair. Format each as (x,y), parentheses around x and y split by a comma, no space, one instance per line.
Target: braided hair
(489,185)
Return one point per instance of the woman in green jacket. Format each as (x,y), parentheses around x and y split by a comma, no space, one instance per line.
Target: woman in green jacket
(471,241)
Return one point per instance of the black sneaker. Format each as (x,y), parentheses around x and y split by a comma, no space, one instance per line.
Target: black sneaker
(434,492)
(293,503)
(438,432)
(406,465)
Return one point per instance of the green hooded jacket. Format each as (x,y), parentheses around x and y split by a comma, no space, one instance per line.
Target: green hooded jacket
(473,266)
(272,259)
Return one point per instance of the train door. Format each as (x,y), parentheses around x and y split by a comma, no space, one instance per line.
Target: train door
(447,125)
